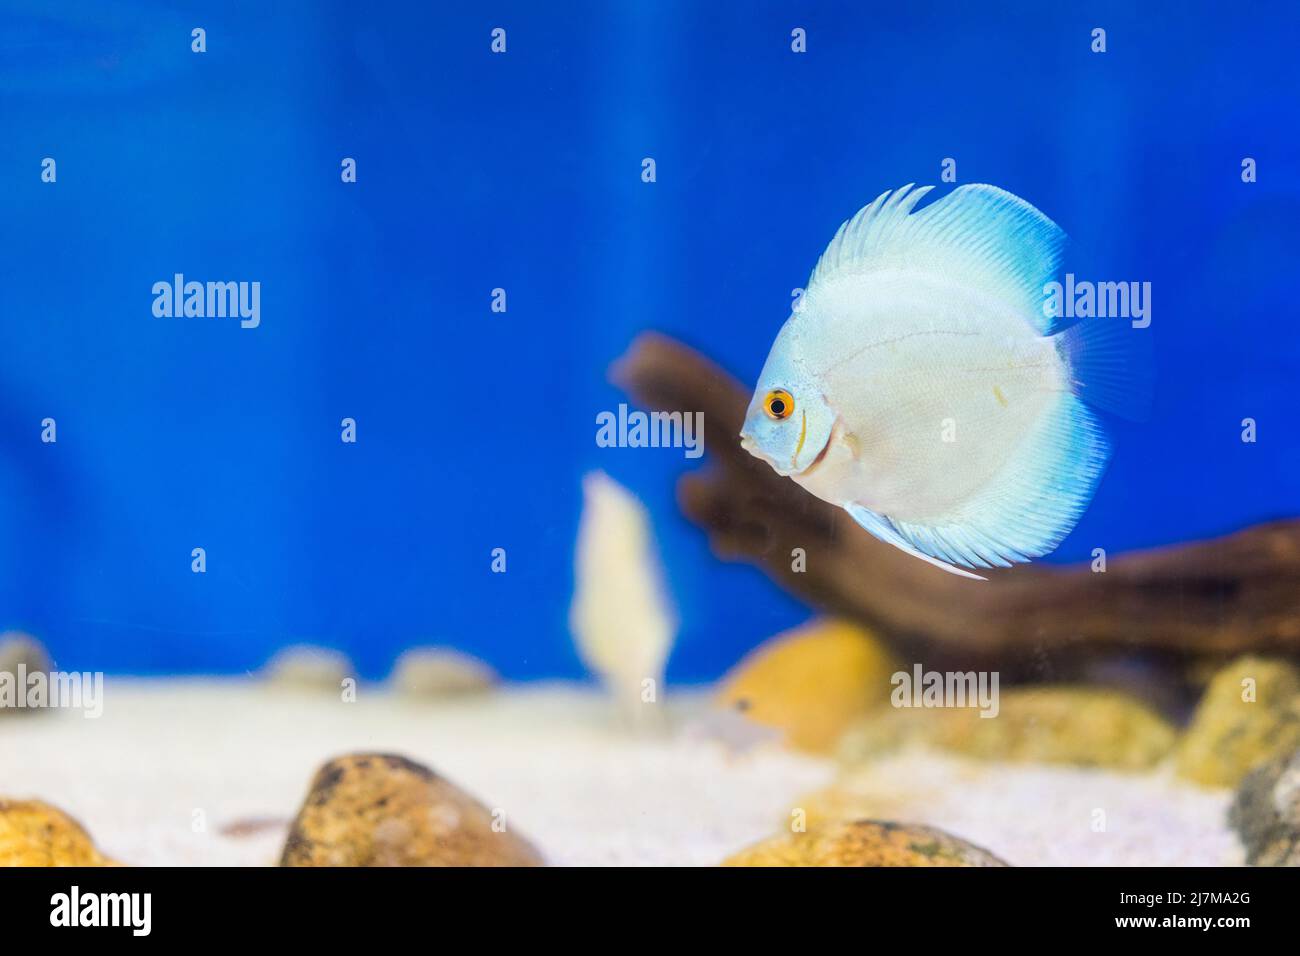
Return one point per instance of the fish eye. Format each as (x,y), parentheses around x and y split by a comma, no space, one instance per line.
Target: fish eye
(779,404)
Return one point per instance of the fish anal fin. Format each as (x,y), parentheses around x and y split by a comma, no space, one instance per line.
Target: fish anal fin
(881,527)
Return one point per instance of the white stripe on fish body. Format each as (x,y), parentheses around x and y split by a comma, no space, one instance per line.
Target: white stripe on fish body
(958,437)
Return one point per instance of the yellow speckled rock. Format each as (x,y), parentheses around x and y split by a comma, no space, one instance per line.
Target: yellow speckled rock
(1249,714)
(865,843)
(384,810)
(33,833)
(1082,726)
(812,682)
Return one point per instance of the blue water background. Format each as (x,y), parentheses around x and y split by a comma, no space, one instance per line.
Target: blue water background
(522,171)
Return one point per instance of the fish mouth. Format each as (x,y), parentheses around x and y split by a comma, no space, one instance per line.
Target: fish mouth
(747,442)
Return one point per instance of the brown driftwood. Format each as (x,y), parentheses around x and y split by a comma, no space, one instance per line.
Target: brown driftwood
(1201,601)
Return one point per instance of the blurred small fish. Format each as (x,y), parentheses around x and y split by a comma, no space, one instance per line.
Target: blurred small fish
(920,383)
(622,622)
(253,826)
(730,727)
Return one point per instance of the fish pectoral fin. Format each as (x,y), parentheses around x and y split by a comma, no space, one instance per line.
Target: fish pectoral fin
(881,527)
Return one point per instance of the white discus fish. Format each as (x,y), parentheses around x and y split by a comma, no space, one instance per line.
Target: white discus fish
(920,384)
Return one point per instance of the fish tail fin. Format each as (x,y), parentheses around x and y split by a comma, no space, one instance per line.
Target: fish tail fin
(1111,365)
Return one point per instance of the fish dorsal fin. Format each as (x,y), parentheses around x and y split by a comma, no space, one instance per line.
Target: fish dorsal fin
(977,234)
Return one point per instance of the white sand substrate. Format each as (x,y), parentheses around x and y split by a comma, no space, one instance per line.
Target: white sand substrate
(171,763)
(1052,815)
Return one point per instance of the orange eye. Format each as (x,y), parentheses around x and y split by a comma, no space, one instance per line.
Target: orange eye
(779,404)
